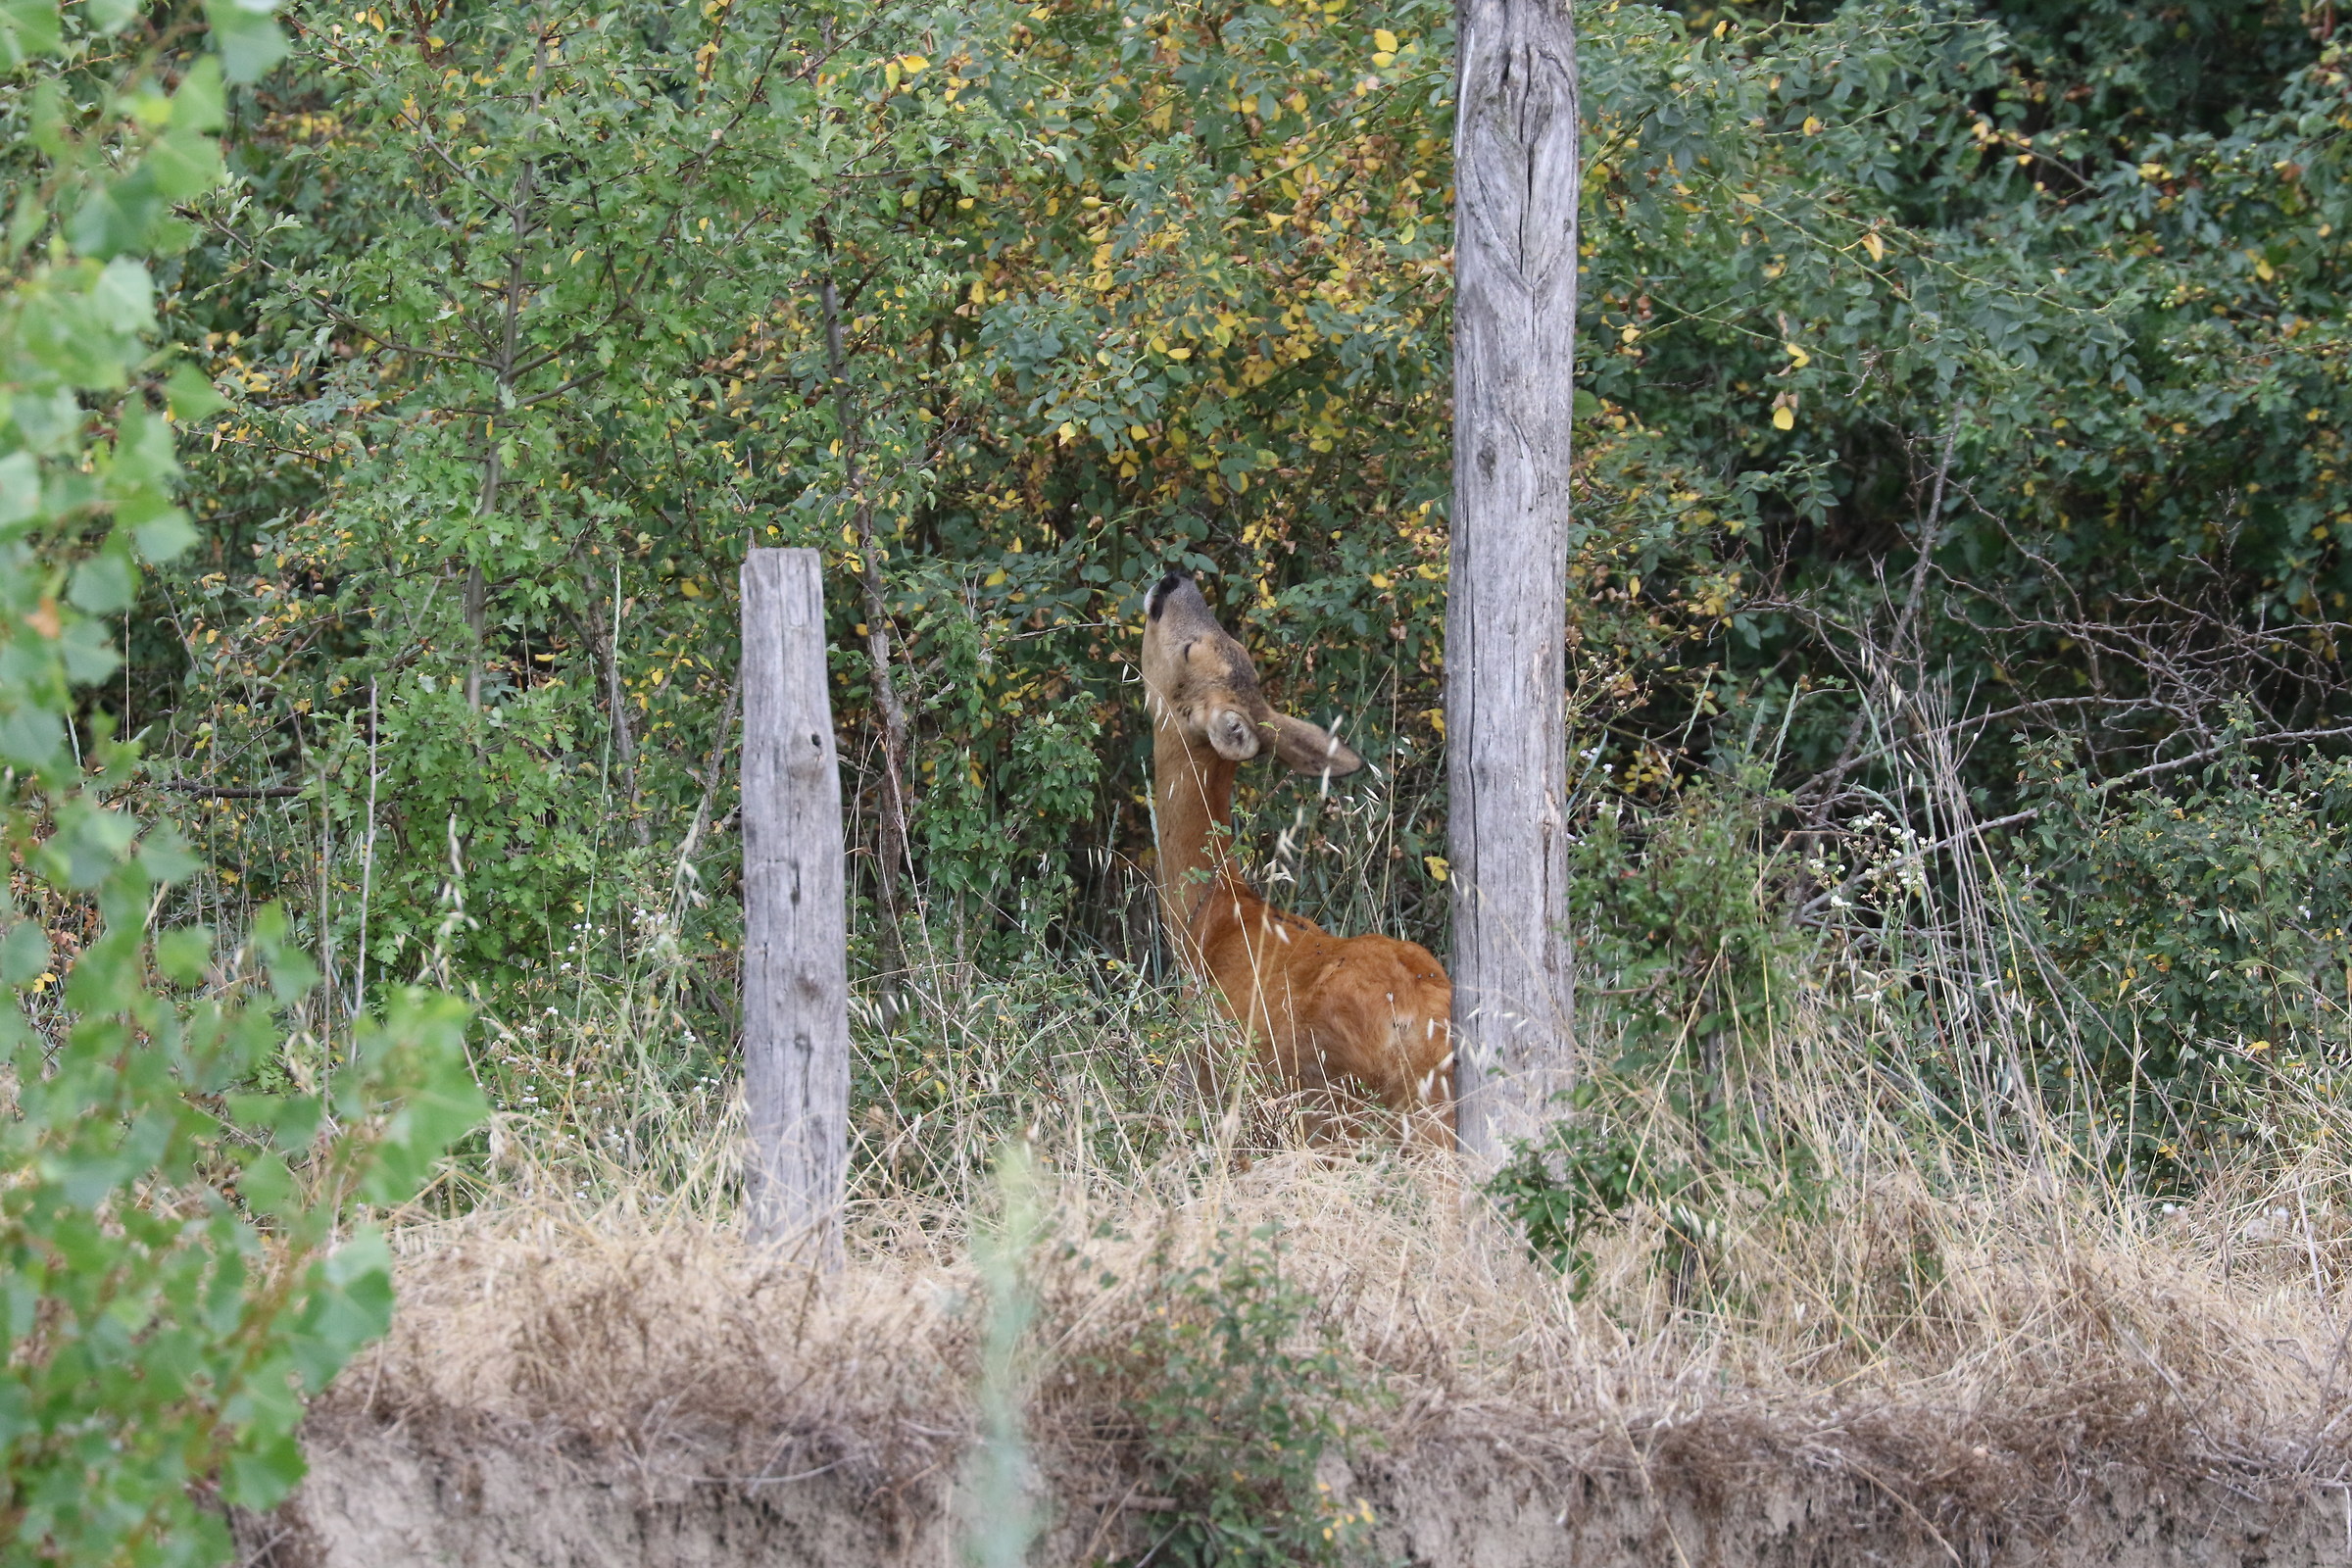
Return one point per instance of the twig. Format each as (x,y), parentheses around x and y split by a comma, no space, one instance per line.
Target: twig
(229,791)
(358,984)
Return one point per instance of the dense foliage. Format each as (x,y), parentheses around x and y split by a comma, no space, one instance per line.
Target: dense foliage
(531,320)
(1959,437)
(182,1246)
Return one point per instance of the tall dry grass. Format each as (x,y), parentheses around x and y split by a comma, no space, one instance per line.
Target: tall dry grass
(1955,1292)
(1975,1326)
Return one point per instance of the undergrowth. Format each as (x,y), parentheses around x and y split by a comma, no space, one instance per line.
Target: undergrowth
(1816,1069)
(1240,1383)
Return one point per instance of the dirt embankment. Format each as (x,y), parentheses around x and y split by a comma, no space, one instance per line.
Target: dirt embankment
(388,1500)
(1902,1382)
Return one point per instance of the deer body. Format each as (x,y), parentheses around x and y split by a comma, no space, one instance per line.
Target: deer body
(1324,1013)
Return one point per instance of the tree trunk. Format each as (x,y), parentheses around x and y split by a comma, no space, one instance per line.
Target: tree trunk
(1515,181)
(796,973)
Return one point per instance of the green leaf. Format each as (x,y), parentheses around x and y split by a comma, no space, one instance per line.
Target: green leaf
(118,216)
(125,296)
(350,1303)
(23,953)
(166,537)
(110,15)
(166,857)
(292,974)
(144,451)
(266,1183)
(30,739)
(183,163)
(28,27)
(191,394)
(249,42)
(94,842)
(103,584)
(88,648)
(20,488)
(200,104)
(185,954)
(259,1477)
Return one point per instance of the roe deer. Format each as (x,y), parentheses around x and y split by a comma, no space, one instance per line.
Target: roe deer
(1319,1009)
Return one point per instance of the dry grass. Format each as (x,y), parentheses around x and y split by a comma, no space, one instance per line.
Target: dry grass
(1974,1341)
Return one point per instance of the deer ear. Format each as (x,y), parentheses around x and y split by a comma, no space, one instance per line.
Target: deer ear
(1310,748)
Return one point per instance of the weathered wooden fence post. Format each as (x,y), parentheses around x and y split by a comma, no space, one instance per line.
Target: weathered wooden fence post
(796,981)
(1514,356)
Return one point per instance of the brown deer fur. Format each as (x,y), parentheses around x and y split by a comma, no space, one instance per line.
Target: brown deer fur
(1321,1011)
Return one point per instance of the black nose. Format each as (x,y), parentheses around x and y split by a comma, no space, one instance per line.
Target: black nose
(1161,591)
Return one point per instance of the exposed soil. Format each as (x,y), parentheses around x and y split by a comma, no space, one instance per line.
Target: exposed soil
(487,1499)
(1899,1380)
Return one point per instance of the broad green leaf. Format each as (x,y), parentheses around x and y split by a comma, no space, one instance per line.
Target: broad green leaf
(183,163)
(185,954)
(166,537)
(200,103)
(103,584)
(249,42)
(28,27)
(167,856)
(20,488)
(192,394)
(23,953)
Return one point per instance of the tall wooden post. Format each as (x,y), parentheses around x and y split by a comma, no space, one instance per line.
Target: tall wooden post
(796,981)
(1516,149)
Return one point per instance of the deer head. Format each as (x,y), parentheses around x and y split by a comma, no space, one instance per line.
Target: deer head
(1202,685)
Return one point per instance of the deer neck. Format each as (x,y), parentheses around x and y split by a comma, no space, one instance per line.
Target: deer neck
(1192,805)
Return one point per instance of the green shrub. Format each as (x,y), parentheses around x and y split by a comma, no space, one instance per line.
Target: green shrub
(2200,937)
(1684,962)
(1240,1388)
(179,1257)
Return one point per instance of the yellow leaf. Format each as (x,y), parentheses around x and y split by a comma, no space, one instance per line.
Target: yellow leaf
(1752,198)
(1876,246)
(890,75)
(1379,581)
(1801,358)
(913,65)
(1631,334)
(1812,127)
(1439,871)
(1384,40)
(995,579)
(1784,418)
(1180,353)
